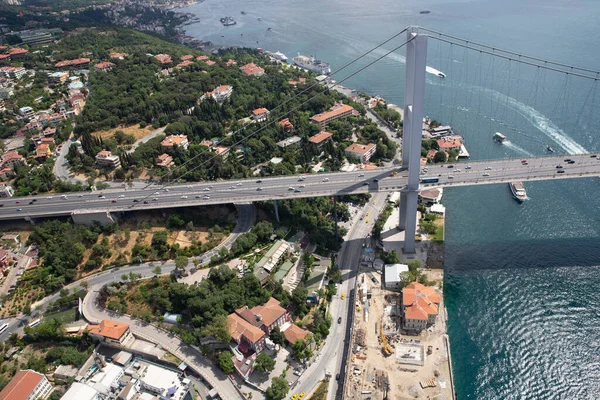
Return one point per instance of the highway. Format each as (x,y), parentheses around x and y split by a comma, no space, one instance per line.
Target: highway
(297,186)
(332,356)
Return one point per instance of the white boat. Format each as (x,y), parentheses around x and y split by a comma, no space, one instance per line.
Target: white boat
(498,137)
(518,190)
(277,55)
(312,64)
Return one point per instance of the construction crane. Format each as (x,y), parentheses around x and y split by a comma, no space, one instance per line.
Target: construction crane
(385,347)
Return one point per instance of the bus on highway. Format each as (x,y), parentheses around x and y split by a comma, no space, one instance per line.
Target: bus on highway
(34,323)
(3,328)
(430,180)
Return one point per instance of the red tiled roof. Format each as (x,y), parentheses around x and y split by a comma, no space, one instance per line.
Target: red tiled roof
(104,65)
(294,332)
(259,111)
(240,327)
(202,58)
(270,312)
(67,63)
(448,143)
(21,386)
(251,69)
(333,112)
(186,57)
(163,58)
(107,328)
(360,148)
(319,137)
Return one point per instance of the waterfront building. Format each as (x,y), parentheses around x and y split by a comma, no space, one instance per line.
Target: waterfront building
(362,152)
(430,196)
(111,332)
(105,158)
(175,140)
(339,110)
(448,143)
(420,306)
(320,138)
(27,385)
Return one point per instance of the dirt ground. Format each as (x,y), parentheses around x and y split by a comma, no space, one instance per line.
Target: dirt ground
(134,130)
(370,369)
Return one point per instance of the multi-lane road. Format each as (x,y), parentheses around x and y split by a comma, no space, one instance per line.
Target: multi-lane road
(297,186)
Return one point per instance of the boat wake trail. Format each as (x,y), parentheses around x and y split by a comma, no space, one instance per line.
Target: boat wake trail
(541,122)
(518,149)
(402,59)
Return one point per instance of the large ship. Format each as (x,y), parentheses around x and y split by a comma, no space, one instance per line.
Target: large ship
(518,190)
(312,64)
(277,55)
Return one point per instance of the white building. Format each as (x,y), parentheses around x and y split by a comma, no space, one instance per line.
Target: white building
(163,382)
(107,380)
(79,391)
(6,190)
(392,275)
(105,158)
(26,112)
(27,385)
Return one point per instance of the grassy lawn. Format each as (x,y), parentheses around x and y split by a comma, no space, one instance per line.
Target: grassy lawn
(64,316)
(439,233)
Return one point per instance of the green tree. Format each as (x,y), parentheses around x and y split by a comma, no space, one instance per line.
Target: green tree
(393,257)
(278,390)
(226,363)
(264,363)
(181,262)
(157,270)
(218,329)
(277,336)
(440,156)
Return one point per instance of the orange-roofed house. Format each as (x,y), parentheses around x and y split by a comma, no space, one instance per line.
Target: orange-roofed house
(231,62)
(27,385)
(175,140)
(10,158)
(202,58)
(220,94)
(420,305)
(42,151)
(260,114)
(104,66)
(78,62)
(164,160)
(186,57)
(163,58)
(17,52)
(211,62)
(294,332)
(252,70)
(449,143)
(286,125)
(320,138)
(339,110)
(118,56)
(183,64)
(246,335)
(111,332)
(361,151)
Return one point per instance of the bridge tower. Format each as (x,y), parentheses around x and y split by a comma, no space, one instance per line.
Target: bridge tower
(414,103)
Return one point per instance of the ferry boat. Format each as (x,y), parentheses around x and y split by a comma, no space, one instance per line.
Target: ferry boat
(312,64)
(277,55)
(518,190)
(227,21)
(498,137)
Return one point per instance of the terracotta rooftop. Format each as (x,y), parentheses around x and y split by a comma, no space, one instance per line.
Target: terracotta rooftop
(163,58)
(334,112)
(109,329)
(77,61)
(270,312)
(259,111)
(251,69)
(448,143)
(360,148)
(21,386)
(420,301)
(186,57)
(294,332)
(319,137)
(240,327)
(202,58)
(173,140)
(104,65)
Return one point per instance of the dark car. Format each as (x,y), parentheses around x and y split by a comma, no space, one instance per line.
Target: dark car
(1,205)
(567,159)
(259,181)
(561,171)
(145,202)
(31,202)
(450,166)
(339,320)
(113,201)
(337,376)
(375,180)
(365,183)
(571,162)
(559,166)
(135,200)
(593,156)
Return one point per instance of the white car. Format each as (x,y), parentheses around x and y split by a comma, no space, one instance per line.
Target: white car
(456,170)
(206,189)
(102,197)
(450,177)
(122,195)
(80,195)
(301,178)
(259,189)
(291,188)
(49,197)
(232,187)
(184,197)
(189,186)
(206,197)
(361,175)
(155,199)
(301,186)
(325,179)
(488,168)
(155,193)
(239,184)
(468,167)
(486,174)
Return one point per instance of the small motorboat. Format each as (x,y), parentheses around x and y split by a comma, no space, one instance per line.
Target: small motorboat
(550,149)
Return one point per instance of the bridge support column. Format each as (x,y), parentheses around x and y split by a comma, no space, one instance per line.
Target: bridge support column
(337,233)
(414,102)
(276,203)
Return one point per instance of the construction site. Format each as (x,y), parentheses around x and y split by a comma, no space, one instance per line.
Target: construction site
(389,362)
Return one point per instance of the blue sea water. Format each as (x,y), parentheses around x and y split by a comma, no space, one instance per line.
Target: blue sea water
(522,286)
